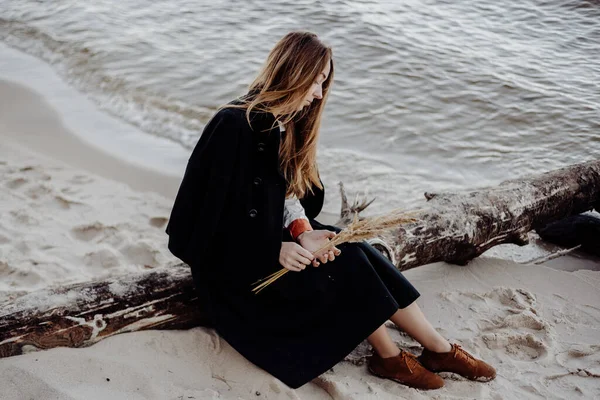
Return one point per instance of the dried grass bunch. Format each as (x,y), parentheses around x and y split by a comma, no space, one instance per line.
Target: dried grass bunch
(357,231)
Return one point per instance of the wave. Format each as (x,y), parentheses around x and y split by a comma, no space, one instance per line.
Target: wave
(154,113)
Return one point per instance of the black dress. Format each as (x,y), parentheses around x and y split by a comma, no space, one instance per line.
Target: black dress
(232,196)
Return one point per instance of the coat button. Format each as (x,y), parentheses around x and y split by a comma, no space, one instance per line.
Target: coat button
(253,213)
(257,181)
(261,147)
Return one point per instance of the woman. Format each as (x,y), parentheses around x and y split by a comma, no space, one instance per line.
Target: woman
(237,219)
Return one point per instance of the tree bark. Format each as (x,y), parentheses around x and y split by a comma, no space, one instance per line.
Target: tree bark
(451,227)
(81,314)
(457,227)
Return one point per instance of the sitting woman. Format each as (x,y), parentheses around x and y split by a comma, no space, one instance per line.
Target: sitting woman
(245,209)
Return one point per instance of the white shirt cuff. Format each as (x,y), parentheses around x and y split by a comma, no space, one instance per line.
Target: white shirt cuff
(292,211)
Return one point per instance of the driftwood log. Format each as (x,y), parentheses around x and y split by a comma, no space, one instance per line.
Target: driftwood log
(451,227)
(81,314)
(457,227)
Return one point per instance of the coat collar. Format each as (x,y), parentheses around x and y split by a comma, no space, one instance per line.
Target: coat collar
(260,121)
(263,122)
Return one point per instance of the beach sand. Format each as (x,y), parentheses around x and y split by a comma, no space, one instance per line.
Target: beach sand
(70,211)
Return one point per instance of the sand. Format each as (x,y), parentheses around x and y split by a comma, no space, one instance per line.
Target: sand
(71,211)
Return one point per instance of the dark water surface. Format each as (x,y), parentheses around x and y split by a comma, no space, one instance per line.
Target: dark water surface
(434,95)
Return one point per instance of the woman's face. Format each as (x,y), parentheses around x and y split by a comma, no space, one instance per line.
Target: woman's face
(316,90)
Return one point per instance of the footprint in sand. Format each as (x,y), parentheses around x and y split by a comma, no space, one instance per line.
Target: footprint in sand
(57,201)
(510,321)
(581,357)
(65,203)
(523,319)
(584,315)
(102,259)
(518,299)
(19,276)
(89,232)
(522,347)
(22,216)
(35,192)
(81,179)
(69,190)
(580,364)
(513,300)
(36,173)
(158,222)
(4,268)
(16,183)
(142,253)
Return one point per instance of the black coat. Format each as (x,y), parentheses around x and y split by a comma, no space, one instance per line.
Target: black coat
(227,224)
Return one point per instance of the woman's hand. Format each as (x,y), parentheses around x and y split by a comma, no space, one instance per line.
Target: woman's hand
(314,240)
(294,257)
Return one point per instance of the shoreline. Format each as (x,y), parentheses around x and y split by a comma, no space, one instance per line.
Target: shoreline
(46,134)
(31,121)
(70,128)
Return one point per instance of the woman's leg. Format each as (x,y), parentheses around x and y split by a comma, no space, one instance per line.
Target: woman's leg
(383,343)
(412,321)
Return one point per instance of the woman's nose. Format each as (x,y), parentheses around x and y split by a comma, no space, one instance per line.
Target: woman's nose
(318,93)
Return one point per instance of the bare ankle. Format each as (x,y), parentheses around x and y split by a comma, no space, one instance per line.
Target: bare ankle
(440,347)
(388,353)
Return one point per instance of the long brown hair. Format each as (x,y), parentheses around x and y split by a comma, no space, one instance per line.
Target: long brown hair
(285,79)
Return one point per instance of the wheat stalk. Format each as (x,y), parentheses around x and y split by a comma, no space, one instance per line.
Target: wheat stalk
(357,231)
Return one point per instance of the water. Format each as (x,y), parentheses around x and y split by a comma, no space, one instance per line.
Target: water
(429,96)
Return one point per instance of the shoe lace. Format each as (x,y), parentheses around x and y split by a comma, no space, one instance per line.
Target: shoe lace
(461,353)
(410,360)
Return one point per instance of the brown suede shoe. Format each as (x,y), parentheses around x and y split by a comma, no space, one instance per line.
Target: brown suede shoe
(458,361)
(404,368)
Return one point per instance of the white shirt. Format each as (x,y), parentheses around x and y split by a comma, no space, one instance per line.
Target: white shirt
(293,209)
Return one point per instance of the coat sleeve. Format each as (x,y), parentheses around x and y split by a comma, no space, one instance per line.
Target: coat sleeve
(202,193)
(313,202)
